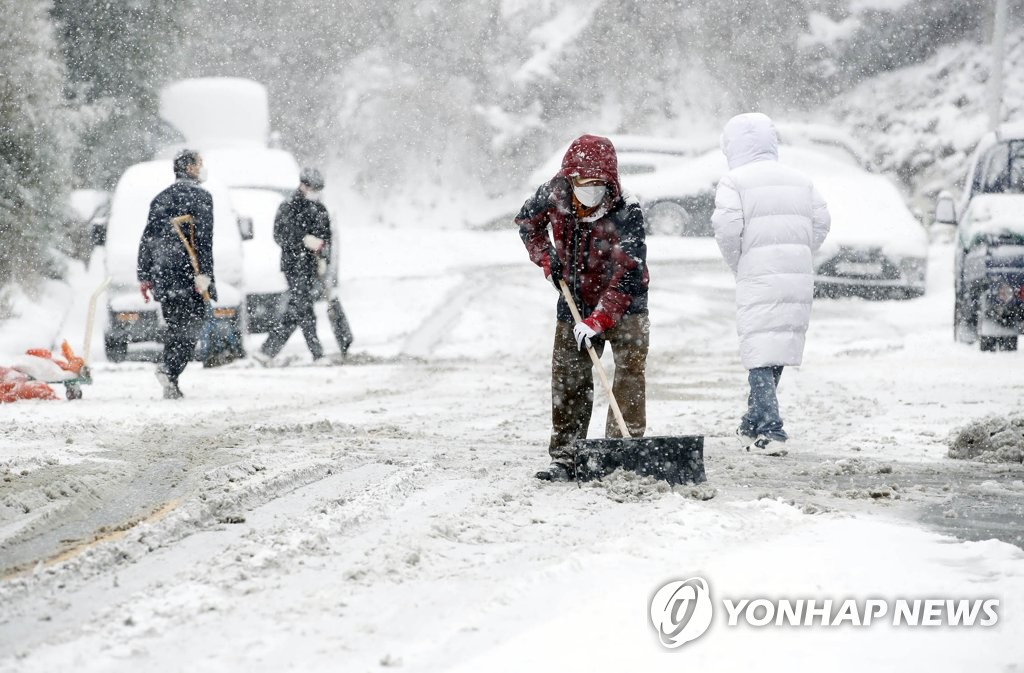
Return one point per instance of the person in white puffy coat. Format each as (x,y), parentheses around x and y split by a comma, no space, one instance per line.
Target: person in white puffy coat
(768,220)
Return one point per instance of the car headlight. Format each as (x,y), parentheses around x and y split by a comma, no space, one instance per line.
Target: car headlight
(1005,293)
(913,268)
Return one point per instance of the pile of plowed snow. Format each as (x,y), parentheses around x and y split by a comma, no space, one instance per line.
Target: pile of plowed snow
(991,439)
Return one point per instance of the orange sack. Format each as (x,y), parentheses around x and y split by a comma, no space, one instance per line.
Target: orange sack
(16,386)
(71,363)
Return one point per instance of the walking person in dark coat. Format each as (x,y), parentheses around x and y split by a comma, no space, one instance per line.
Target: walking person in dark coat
(165,269)
(303,230)
(581,228)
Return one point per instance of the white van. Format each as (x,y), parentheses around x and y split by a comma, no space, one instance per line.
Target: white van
(260,180)
(227,119)
(134,326)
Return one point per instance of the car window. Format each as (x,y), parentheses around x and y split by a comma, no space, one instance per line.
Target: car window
(1003,169)
(1017,166)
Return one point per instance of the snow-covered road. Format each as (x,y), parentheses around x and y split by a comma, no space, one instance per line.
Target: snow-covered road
(382,514)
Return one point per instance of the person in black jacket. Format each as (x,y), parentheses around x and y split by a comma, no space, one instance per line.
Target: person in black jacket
(303,230)
(165,268)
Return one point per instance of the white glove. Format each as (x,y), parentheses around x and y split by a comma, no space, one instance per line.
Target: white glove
(202,283)
(312,243)
(583,332)
(321,266)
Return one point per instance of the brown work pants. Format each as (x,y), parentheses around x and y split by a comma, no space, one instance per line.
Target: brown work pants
(572,383)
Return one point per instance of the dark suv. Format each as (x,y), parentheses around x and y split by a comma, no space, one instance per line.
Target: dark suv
(989,264)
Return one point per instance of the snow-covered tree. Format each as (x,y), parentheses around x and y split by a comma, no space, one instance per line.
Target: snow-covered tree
(118,54)
(293,47)
(34,143)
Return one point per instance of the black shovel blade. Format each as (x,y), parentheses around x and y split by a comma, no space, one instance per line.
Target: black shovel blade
(339,324)
(677,460)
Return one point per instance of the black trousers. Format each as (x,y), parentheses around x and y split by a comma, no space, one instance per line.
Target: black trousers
(184,315)
(301,296)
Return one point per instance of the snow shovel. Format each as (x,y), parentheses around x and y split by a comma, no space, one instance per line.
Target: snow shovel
(677,460)
(336,316)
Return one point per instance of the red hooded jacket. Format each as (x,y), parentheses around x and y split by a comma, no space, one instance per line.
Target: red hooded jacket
(603,256)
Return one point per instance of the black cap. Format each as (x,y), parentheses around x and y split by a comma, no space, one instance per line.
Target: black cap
(312,178)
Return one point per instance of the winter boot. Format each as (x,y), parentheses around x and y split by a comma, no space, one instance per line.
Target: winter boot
(760,442)
(170,386)
(744,439)
(262,358)
(557,472)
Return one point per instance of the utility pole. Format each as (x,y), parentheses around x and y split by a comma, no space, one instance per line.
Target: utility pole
(995,85)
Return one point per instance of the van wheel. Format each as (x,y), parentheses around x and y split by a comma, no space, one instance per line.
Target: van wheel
(989,344)
(668,218)
(965,317)
(116,349)
(1008,343)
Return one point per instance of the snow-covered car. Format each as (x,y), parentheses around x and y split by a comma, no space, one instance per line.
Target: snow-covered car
(260,179)
(91,208)
(678,199)
(133,324)
(876,247)
(989,264)
(640,159)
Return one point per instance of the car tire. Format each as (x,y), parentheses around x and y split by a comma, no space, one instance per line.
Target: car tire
(989,344)
(965,317)
(668,218)
(116,349)
(1007,343)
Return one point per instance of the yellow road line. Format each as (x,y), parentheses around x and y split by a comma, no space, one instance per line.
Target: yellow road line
(111,535)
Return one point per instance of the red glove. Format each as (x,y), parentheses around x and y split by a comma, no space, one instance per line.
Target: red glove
(146,287)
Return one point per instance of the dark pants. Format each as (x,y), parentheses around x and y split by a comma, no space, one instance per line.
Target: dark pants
(572,383)
(184,316)
(762,417)
(299,313)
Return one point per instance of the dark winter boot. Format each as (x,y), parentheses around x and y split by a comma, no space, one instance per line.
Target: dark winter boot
(557,472)
(760,442)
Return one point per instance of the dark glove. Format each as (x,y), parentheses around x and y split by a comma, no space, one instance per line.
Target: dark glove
(555,267)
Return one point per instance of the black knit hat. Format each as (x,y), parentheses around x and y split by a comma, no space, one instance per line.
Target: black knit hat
(312,178)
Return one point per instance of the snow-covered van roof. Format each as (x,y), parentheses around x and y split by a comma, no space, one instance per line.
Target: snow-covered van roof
(217,111)
(129,210)
(253,168)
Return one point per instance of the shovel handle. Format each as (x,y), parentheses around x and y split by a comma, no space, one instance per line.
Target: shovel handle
(597,362)
(176,222)
(90,317)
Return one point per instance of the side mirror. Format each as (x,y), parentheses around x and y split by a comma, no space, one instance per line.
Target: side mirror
(945,209)
(245,228)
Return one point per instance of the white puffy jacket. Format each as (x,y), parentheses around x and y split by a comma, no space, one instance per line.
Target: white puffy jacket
(769,220)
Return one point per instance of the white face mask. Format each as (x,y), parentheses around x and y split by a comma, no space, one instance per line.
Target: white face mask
(313,196)
(202,174)
(590,195)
